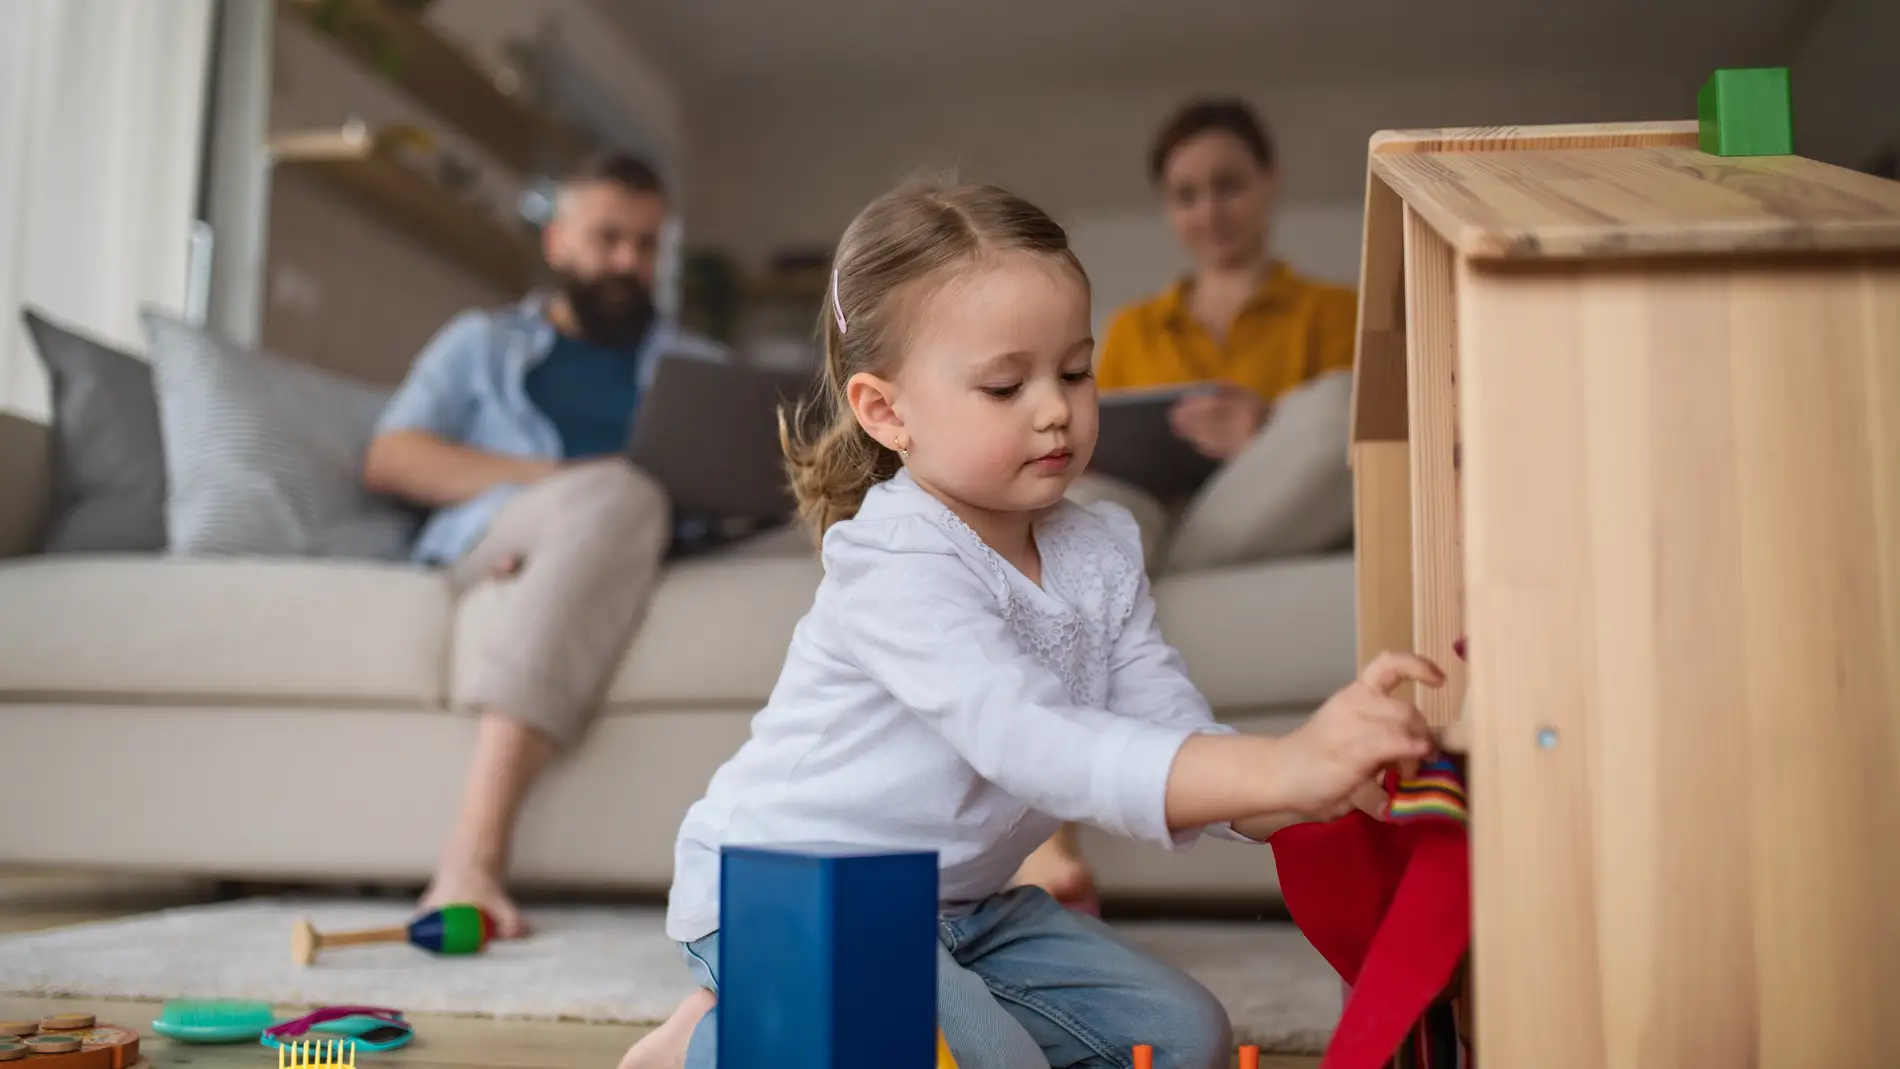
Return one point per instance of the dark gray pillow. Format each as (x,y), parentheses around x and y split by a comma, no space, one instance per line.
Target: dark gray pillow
(108,453)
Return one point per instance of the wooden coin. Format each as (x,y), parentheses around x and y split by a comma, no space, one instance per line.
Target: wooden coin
(11,1050)
(66,1022)
(18,1029)
(113,1046)
(103,1046)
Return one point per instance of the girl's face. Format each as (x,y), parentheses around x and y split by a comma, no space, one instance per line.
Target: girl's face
(994,396)
(1218,199)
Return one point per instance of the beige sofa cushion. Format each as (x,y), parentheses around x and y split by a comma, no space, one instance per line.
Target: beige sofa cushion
(1266,635)
(716,633)
(286,631)
(158,630)
(1276,633)
(26,483)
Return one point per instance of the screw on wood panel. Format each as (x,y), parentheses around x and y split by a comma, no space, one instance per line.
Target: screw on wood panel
(1547,739)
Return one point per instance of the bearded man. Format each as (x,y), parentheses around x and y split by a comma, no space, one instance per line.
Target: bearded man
(511,430)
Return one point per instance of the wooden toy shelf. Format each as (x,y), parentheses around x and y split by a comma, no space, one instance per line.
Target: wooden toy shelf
(1627,416)
(404,197)
(442,76)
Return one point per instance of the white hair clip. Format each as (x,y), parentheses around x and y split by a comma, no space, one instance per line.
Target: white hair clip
(837,307)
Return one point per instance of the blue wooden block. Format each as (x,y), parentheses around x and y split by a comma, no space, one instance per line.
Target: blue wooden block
(827,958)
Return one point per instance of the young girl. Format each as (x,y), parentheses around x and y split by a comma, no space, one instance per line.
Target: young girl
(982,661)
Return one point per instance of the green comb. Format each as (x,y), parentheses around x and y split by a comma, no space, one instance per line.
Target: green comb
(213,1020)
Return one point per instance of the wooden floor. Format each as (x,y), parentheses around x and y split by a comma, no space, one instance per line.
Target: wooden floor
(36,901)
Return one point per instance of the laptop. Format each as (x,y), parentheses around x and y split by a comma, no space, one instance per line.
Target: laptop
(707,432)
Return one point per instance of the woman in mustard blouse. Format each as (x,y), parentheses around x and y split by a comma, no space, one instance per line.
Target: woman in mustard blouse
(1278,347)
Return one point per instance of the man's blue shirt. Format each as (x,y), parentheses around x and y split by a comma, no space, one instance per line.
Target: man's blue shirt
(589,392)
(470,386)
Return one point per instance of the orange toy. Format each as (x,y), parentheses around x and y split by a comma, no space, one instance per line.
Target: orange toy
(1144,1056)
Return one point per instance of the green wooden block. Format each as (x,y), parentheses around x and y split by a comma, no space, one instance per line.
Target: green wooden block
(1746,111)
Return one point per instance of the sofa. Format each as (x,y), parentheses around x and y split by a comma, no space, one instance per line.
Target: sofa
(295,718)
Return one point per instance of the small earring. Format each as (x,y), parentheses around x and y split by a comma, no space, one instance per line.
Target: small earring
(903,451)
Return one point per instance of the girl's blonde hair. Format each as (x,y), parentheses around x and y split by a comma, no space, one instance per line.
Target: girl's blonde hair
(902,245)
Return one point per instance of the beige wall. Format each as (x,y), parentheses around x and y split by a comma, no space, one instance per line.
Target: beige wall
(619,65)
(769,174)
(1846,83)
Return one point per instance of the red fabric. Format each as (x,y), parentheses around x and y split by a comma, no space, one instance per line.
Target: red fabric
(1388,906)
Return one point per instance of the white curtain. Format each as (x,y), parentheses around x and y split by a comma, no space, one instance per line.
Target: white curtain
(101,128)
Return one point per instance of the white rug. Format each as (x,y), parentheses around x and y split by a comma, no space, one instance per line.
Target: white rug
(591,964)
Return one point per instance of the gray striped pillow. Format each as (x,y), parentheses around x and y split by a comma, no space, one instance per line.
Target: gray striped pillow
(263,455)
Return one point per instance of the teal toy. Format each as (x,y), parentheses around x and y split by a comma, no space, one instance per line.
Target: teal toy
(213,1020)
(1746,111)
(362,1028)
(369,1028)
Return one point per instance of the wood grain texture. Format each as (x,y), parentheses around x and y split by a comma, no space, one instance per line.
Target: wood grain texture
(1815,413)
(1382,549)
(1378,384)
(1679,133)
(1682,559)
(1431,368)
(1620,202)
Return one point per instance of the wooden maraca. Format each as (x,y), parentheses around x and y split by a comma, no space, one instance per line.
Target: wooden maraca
(457,928)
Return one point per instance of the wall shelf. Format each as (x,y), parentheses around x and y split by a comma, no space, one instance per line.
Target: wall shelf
(378,180)
(443,77)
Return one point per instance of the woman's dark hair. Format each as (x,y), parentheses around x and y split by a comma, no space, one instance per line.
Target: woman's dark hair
(1227,115)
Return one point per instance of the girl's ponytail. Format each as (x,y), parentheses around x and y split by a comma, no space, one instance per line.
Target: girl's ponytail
(831,468)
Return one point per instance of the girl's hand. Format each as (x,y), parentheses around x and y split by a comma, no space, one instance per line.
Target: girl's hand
(1369,798)
(1219,422)
(1329,764)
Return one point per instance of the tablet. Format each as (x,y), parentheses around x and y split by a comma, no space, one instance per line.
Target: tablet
(1137,445)
(707,432)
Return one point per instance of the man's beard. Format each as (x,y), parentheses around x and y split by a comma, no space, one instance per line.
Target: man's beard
(613,310)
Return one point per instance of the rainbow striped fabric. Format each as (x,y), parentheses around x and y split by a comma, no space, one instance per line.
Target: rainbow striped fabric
(1435,791)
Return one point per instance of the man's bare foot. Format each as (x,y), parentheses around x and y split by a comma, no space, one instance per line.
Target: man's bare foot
(1055,868)
(665,1046)
(477,887)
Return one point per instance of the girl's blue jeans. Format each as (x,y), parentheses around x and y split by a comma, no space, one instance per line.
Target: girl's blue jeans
(1024,983)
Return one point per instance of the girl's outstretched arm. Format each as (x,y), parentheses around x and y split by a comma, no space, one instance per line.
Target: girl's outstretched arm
(930,631)
(1149,680)
(915,617)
